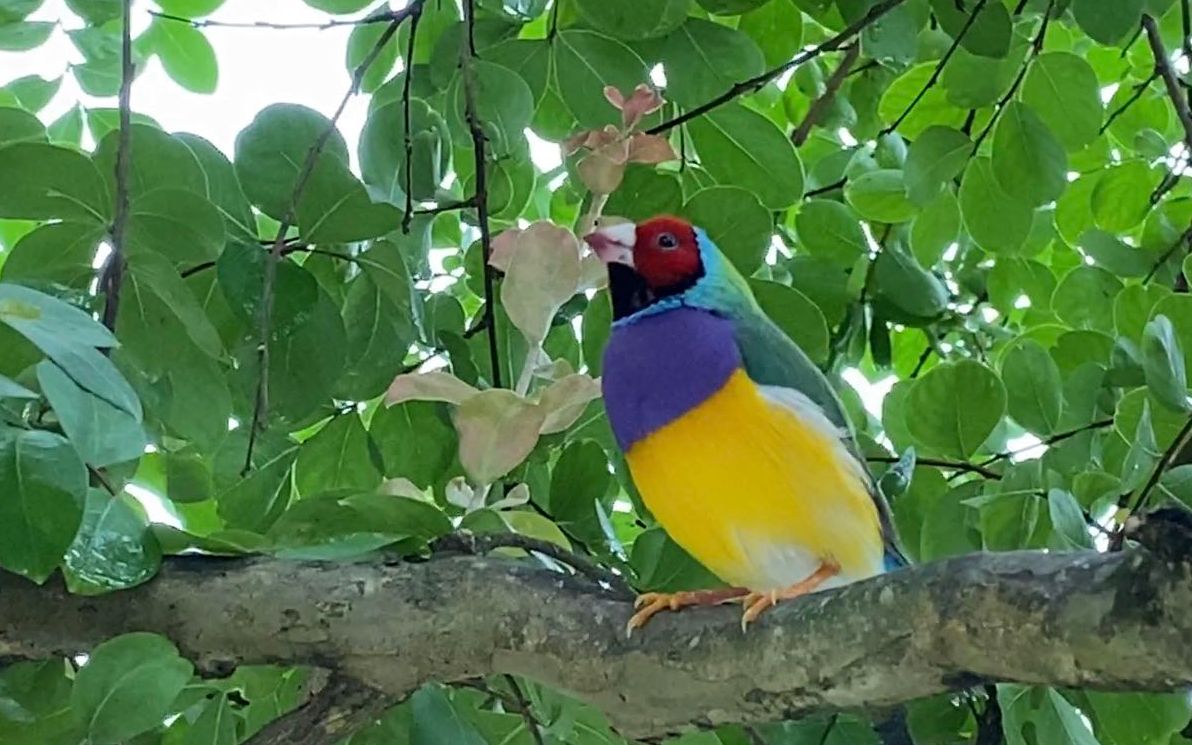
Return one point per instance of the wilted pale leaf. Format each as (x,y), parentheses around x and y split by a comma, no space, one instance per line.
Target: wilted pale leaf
(515,497)
(565,400)
(543,274)
(602,170)
(431,386)
(497,430)
(503,246)
(592,274)
(401,487)
(644,148)
(461,494)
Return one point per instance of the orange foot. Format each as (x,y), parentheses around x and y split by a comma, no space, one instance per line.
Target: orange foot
(652,603)
(756,602)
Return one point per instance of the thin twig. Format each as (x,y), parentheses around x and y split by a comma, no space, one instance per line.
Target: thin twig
(112,277)
(261,404)
(1139,89)
(102,480)
(465,204)
(939,68)
(476,545)
(526,712)
(1183,240)
(468,54)
(382,17)
(1163,66)
(408,215)
(1036,47)
(758,81)
(1178,444)
(952,465)
(820,105)
(1053,440)
(829,187)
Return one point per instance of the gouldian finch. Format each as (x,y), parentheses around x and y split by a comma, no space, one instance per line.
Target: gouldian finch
(734,438)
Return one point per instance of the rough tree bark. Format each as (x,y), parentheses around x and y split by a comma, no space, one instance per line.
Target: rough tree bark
(1107,621)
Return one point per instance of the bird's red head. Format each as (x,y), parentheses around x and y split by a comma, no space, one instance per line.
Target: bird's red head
(663,250)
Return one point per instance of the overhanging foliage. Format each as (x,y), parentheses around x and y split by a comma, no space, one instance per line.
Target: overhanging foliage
(985,200)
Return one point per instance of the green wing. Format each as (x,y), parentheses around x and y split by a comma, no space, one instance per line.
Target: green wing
(770,357)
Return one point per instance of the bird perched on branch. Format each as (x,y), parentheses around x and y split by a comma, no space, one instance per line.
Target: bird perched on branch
(734,438)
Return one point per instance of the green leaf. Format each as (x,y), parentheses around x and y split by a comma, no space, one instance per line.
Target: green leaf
(957,405)
(18,125)
(997,221)
(584,63)
(21,36)
(96,12)
(504,106)
(435,721)
(33,92)
(48,181)
(47,321)
(1040,715)
(1114,255)
(1163,362)
(908,287)
(158,160)
(114,549)
(631,20)
(988,35)
(935,228)
(190,8)
(68,128)
(42,487)
(1144,718)
(335,208)
(102,433)
(1084,298)
(742,147)
(645,192)
(383,154)
(216,725)
(59,252)
(9,388)
(796,315)
(164,305)
(1143,453)
(1028,160)
(831,230)
(272,150)
(1121,198)
(735,221)
(1108,21)
(704,59)
(175,225)
(338,457)
(185,54)
(937,156)
(127,686)
(933,108)
(15,10)
(361,43)
(776,27)
(579,480)
(338,7)
(417,441)
(1068,520)
(1034,388)
(1063,90)
(880,196)
(663,566)
(379,336)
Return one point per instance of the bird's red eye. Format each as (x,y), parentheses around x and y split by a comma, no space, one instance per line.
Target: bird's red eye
(667,241)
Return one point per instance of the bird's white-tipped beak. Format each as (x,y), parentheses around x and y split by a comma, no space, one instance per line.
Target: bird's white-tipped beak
(614,244)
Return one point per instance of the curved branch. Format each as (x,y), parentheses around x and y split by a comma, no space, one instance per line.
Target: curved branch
(1105,621)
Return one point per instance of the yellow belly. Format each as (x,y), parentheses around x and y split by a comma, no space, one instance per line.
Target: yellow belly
(757,493)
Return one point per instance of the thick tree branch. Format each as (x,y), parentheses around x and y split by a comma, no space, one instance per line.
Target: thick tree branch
(335,706)
(876,11)
(1102,621)
(111,279)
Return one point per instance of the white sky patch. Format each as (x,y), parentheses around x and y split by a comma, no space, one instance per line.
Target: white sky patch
(547,156)
(155,506)
(872,393)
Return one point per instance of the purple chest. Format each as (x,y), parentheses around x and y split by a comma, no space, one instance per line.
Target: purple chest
(662,366)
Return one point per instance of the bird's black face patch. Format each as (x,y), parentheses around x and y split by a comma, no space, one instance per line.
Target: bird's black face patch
(630,292)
